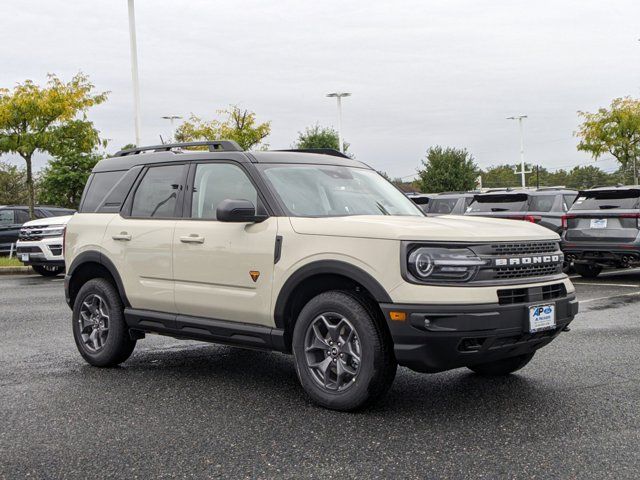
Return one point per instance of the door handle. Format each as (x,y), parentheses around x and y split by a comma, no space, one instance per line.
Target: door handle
(123,236)
(193,238)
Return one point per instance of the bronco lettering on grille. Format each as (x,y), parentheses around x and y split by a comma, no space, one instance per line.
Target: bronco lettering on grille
(503,262)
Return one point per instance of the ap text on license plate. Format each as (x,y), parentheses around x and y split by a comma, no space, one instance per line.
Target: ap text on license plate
(542,317)
(598,223)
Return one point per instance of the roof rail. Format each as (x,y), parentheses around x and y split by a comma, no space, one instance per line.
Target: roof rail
(322,151)
(555,187)
(214,146)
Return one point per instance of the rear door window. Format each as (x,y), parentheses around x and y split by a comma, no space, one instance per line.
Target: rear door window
(157,193)
(442,205)
(541,203)
(7,217)
(516,202)
(22,216)
(607,200)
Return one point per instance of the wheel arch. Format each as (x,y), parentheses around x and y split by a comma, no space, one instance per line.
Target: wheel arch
(321,276)
(88,265)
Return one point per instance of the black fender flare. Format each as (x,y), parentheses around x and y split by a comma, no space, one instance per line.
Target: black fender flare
(92,256)
(319,267)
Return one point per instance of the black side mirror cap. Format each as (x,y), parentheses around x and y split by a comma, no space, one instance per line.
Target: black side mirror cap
(239,211)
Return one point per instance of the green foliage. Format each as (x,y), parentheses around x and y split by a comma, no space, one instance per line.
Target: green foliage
(615,130)
(12,185)
(239,125)
(447,169)
(319,137)
(63,181)
(51,119)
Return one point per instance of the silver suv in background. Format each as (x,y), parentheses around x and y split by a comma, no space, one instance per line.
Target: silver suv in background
(602,230)
(450,203)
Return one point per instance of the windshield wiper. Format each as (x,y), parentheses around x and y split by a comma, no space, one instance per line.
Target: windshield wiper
(382,209)
(499,209)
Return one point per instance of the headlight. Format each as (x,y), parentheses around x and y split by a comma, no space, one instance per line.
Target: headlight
(443,264)
(54,232)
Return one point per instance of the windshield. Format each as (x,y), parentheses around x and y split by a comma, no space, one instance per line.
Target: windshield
(332,191)
(607,200)
(499,203)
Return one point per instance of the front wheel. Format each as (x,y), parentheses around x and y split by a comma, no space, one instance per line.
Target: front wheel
(99,329)
(587,270)
(343,358)
(47,270)
(502,367)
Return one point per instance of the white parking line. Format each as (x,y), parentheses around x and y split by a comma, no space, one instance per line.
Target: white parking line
(611,296)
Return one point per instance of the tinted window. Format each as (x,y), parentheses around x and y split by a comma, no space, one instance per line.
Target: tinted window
(6,217)
(420,200)
(215,182)
(541,203)
(157,194)
(568,200)
(442,205)
(116,197)
(100,184)
(607,200)
(499,203)
(22,216)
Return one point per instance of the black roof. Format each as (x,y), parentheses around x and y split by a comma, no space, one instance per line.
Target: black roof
(127,159)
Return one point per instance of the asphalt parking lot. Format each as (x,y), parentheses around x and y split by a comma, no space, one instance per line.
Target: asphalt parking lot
(188,409)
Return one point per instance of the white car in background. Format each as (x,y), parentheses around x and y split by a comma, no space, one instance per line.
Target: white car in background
(40,245)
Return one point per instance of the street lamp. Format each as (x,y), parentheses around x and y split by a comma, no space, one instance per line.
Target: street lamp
(171,118)
(338,96)
(134,71)
(520,118)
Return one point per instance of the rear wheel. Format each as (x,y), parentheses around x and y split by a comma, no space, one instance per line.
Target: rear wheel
(47,270)
(587,270)
(343,358)
(502,367)
(99,329)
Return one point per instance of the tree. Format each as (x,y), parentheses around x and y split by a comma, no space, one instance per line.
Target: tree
(63,181)
(447,169)
(12,185)
(51,119)
(615,130)
(319,137)
(500,176)
(239,125)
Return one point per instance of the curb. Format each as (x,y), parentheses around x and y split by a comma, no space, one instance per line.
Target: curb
(14,270)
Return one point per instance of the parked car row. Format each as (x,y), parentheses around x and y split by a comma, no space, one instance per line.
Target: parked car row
(599,227)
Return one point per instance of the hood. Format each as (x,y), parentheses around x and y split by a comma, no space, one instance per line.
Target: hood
(62,220)
(452,228)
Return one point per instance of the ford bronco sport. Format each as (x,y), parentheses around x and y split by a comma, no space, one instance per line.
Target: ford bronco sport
(310,254)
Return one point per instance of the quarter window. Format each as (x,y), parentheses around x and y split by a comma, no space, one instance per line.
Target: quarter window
(6,217)
(101,183)
(215,182)
(157,194)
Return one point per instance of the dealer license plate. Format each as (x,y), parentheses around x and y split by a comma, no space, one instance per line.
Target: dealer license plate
(542,317)
(25,257)
(598,223)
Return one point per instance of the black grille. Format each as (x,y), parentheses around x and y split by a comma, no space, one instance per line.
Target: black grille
(20,250)
(524,271)
(525,248)
(511,296)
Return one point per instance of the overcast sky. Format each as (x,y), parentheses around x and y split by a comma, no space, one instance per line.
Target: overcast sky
(421,72)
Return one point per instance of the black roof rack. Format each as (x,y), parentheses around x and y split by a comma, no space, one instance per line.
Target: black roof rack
(214,146)
(322,151)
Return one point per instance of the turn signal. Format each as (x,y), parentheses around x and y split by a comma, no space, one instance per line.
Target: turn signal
(398,316)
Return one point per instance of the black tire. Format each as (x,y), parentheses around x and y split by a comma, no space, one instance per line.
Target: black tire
(377,368)
(118,345)
(587,270)
(47,271)
(502,367)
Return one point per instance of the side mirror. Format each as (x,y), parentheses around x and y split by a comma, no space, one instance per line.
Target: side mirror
(240,211)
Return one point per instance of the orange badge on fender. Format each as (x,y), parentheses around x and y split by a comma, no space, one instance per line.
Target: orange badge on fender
(254,275)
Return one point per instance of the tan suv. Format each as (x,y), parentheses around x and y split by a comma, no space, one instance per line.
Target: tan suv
(304,253)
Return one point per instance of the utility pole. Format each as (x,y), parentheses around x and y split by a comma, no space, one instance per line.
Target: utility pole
(338,96)
(134,71)
(522,171)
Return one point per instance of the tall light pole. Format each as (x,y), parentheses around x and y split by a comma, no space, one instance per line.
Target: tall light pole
(134,71)
(522,172)
(171,119)
(338,96)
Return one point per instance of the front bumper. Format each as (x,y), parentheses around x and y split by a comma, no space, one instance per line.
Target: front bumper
(42,252)
(464,335)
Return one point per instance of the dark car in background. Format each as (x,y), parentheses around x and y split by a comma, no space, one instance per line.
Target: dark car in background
(421,199)
(13,216)
(450,203)
(544,206)
(602,230)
